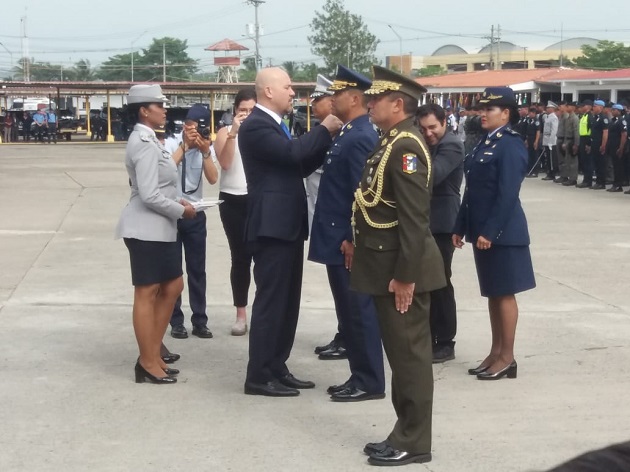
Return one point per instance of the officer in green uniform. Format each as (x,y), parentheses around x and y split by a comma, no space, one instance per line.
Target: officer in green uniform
(397,261)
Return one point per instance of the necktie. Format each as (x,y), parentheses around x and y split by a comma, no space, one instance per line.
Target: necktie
(285,128)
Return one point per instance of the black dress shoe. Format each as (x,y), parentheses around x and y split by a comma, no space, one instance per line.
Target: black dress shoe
(334,354)
(290,381)
(179,332)
(170,357)
(443,354)
(509,371)
(391,456)
(478,370)
(548,177)
(371,448)
(560,180)
(273,388)
(168,371)
(569,183)
(331,345)
(353,394)
(337,388)
(584,185)
(142,376)
(615,189)
(201,332)
(598,187)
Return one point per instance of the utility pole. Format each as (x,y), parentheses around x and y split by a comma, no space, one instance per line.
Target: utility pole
(561,41)
(399,47)
(491,47)
(256,4)
(26,62)
(163,61)
(133,51)
(498,64)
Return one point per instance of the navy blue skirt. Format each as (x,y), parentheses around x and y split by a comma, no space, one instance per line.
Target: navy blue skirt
(154,262)
(504,270)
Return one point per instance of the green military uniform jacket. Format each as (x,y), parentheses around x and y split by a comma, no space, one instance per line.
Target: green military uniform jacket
(391,217)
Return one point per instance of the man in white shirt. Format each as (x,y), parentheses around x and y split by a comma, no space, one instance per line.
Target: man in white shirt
(550,139)
(191,151)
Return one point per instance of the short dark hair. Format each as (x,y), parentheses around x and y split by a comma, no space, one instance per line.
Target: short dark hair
(431,109)
(410,104)
(244,95)
(514,116)
(533,110)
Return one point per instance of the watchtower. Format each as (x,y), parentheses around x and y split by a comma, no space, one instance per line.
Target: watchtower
(229,63)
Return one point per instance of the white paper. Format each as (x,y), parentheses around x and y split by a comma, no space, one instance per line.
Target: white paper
(204,204)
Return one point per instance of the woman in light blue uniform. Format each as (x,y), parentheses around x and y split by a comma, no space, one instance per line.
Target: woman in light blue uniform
(492,219)
(148,225)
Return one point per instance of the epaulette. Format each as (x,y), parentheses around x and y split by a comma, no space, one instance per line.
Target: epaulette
(511,131)
(145,137)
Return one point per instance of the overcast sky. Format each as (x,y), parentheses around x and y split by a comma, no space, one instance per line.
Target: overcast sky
(64,31)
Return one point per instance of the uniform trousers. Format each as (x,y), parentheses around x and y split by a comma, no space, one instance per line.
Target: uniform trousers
(600,161)
(533,157)
(278,277)
(443,307)
(357,319)
(551,160)
(191,233)
(407,343)
(233,213)
(568,162)
(618,168)
(586,159)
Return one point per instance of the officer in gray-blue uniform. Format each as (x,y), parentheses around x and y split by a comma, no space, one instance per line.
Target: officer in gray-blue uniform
(331,238)
(493,221)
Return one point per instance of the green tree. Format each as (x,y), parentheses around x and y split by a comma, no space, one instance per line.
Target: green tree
(291,68)
(248,72)
(606,55)
(148,64)
(340,37)
(39,71)
(82,71)
(308,73)
(428,71)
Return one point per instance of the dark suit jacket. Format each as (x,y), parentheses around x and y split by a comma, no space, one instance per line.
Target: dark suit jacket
(491,207)
(274,169)
(447,158)
(342,171)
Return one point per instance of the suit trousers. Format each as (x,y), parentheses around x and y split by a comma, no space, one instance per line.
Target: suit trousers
(233,213)
(278,277)
(443,306)
(533,165)
(357,318)
(407,343)
(192,235)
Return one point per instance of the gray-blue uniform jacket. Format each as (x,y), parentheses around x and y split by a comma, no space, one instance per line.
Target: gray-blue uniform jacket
(491,206)
(153,208)
(342,171)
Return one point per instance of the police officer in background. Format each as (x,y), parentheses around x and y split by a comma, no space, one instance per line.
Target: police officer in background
(533,138)
(473,130)
(521,126)
(617,138)
(584,150)
(331,239)
(569,166)
(397,261)
(599,140)
(550,138)
(563,117)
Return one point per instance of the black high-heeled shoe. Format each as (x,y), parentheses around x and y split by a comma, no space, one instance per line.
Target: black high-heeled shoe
(478,370)
(509,371)
(169,371)
(170,357)
(142,375)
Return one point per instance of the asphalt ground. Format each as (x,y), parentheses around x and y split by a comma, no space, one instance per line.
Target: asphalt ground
(69,403)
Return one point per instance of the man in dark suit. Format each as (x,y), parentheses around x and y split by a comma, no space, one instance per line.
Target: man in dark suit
(331,239)
(276,228)
(397,261)
(447,159)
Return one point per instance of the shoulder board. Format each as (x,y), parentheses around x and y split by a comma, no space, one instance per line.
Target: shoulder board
(145,137)
(511,131)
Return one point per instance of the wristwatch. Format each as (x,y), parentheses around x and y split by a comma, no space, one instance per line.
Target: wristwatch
(206,155)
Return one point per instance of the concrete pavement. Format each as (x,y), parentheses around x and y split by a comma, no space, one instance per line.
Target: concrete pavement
(67,346)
